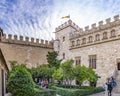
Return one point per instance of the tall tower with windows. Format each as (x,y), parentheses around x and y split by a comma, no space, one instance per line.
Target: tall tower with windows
(62,42)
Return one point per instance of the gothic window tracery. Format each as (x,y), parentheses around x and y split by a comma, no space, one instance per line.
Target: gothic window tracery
(105,35)
(97,37)
(78,42)
(84,41)
(113,33)
(90,39)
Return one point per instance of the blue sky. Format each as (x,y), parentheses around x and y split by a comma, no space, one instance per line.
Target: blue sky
(39,18)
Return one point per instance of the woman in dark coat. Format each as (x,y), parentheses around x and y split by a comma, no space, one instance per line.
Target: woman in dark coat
(109,87)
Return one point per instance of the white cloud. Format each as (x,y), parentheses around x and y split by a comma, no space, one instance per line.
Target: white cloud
(38,18)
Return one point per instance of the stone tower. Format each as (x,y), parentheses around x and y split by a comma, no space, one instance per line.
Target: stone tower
(62,42)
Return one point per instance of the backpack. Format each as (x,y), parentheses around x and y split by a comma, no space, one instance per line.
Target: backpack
(113,83)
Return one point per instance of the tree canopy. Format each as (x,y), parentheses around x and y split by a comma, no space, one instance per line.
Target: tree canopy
(52,59)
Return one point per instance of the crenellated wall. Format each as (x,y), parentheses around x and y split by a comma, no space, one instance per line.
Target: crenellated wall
(26,41)
(24,50)
(101,26)
(66,24)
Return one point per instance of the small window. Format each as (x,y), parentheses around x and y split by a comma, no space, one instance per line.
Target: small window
(63,55)
(113,33)
(84,41)
(90,39)
(105,35)
(78,42)
(63,38)
(92,61)
(78,60)
(97,37)
(73,43)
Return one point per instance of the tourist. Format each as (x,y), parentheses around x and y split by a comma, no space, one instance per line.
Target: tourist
(109,87)
(113,82)
(45,83)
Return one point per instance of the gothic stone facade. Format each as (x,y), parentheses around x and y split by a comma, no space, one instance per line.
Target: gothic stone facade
(97,47)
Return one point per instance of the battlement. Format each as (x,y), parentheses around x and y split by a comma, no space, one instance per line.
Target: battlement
(66,24)
(13,39)
(101,26)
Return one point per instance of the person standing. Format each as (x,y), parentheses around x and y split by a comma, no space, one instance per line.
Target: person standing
(109,87)
(113,82)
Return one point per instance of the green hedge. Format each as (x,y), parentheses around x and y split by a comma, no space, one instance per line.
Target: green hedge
(20,83)
(44,92)
(77,92)
(76,87)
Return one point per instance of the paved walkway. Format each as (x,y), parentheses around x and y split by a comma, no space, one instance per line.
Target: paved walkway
(102,94)
(98,94)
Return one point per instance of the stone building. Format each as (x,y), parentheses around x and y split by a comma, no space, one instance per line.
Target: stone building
(24,51)
(97,47)
(3,74)
(30,52)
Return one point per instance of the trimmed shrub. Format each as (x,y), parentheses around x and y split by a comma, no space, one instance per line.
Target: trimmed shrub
(76,87)
(77,92)
(20,82)
(44,92)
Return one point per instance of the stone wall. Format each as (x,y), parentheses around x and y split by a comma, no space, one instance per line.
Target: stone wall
(3,67)
(107,49)
(29,52)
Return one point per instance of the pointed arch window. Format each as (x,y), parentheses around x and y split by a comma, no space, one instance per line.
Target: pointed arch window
(84,41)
(97,37)
(90,39)
(105,35)
(78,42)
(113,33)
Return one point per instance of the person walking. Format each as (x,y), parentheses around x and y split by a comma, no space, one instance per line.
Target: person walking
(113,82)
(109,87)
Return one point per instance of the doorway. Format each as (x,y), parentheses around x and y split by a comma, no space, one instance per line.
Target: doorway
(118,66)
(2,82)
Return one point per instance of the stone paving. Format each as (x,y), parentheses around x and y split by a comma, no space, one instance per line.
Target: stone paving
(102,94)
(98,94)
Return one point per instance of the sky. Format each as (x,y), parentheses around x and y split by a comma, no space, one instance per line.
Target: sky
(39,18)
